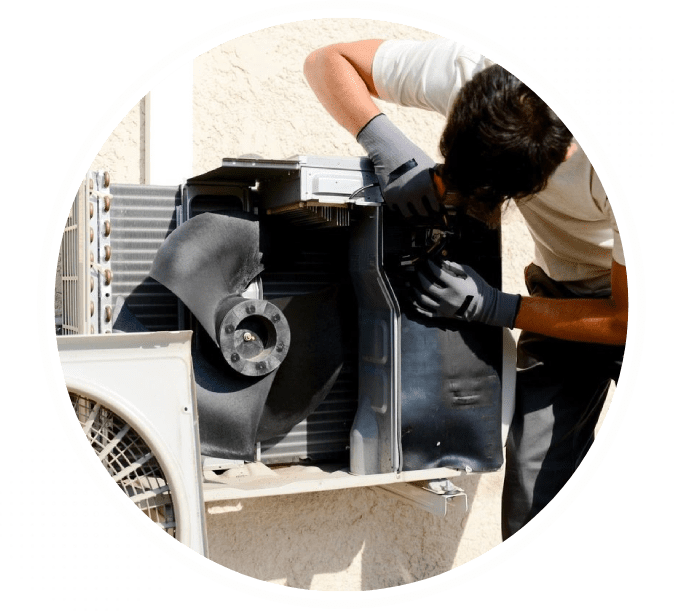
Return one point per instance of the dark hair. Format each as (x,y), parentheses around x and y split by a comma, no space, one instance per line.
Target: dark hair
(501,141)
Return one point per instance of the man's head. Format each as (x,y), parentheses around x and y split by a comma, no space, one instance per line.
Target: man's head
(501,142)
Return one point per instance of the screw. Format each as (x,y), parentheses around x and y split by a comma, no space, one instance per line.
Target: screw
(235,357)
(248,337)
(280,347)
(275,318)
(260,366)
(250,309)
(229,329)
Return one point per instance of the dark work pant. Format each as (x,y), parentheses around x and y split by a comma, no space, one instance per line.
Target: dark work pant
(561,388)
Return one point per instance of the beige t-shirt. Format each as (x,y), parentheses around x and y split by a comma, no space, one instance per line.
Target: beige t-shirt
(572,224)
(571,221)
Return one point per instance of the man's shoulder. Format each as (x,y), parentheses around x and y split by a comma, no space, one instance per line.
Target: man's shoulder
(439,52)
(425,74)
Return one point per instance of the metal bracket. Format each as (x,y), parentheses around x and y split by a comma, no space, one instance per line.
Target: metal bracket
(210,463)
(433,497)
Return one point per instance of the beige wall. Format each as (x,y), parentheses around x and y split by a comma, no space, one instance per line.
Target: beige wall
(250,97)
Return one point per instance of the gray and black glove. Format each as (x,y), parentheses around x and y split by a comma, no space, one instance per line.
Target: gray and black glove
(404,171)
(458,291)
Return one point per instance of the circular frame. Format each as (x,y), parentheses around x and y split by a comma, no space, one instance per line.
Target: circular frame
(638,316)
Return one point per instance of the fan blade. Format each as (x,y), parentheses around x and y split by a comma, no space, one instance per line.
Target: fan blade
(207,260)
(230,408)
(236,411)
(229,405)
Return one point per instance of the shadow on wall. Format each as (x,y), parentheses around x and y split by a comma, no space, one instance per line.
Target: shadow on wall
(361,539)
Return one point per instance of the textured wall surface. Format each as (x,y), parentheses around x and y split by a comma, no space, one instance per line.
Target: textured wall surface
(122,153)
(250,97)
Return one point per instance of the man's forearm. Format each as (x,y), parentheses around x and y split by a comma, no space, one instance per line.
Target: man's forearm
(599,321)
(340,76)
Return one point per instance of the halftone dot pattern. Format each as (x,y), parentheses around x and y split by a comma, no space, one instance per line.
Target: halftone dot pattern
(65,541)
(610,71)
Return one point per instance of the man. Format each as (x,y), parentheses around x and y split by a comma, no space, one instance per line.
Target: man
(501,143)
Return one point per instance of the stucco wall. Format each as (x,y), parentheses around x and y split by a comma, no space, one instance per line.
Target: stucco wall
(250,97)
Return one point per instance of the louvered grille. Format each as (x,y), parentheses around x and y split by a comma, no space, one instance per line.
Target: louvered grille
(316,216)
(318,261)
(142,217)
(324,435)
(71,277)
(73,268)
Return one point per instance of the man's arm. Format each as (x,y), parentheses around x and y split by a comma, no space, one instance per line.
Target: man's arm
(458,291)
(601,321)
(341,77)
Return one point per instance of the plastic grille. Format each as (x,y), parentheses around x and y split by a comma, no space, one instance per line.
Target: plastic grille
(128,460)
(73,253)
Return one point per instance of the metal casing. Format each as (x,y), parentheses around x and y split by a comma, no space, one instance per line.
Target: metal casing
(310,190)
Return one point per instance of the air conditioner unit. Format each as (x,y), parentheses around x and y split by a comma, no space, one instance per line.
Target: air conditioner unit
(311,372)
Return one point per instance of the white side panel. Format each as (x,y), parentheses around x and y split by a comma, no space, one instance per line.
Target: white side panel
(168,129)
(147,379)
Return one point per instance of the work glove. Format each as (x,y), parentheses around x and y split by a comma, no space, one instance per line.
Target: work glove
(403,170)
(458,291)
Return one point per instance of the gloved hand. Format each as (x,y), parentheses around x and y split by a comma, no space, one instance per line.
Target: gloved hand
(458,291)
(402,168)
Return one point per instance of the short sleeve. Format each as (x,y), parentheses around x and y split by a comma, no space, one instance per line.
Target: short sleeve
(618,254)
(601,199)
(424,74)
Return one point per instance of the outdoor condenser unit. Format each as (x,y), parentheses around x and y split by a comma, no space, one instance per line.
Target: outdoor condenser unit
(308,357)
